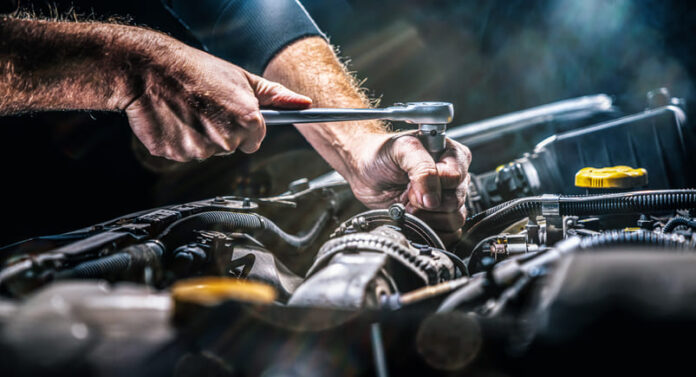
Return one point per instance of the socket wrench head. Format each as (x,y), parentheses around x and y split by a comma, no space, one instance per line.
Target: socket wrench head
(423,112)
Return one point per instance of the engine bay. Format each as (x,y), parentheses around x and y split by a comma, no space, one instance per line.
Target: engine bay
(578,252)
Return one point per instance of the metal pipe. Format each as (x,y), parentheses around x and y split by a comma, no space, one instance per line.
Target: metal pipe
(580,107)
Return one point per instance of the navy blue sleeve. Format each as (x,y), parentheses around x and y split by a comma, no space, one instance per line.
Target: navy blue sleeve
(245,32)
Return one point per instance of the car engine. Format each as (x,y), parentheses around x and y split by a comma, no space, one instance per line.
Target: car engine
(578,254)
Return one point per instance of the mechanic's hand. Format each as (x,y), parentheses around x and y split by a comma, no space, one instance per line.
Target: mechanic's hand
(192,105)
(397,168)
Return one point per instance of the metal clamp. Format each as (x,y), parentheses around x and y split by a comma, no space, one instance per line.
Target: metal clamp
(550,205)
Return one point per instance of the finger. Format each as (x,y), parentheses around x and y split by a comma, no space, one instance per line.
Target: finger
(450,201)
(410,155)
(453,165)
(463,151)
(222,135)
(146,120)
(194,145)
(276,95)
(253,133)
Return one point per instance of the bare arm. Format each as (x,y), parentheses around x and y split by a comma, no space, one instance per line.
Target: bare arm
(381,167)
(60,65)
(181,102)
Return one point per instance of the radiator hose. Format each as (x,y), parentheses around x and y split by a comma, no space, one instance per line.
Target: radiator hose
(617,238)
(223,221)
(130,261)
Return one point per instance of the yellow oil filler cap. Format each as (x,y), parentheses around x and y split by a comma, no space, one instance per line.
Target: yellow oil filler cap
(612,177)
(209,291)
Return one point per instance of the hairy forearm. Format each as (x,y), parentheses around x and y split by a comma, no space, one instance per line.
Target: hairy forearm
(309,66)
(49,65)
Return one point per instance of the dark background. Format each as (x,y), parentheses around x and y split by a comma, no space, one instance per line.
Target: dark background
(62,171)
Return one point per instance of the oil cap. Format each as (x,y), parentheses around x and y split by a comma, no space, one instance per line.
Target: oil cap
(215,290)
(611,177)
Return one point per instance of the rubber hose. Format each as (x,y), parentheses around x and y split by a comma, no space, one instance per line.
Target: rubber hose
(99,268)
(616,238)
(628,203)
(223,221)
(131,259)
(673,223)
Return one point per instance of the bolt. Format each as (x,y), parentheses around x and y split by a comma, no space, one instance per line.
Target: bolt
(246,202)
(397,211)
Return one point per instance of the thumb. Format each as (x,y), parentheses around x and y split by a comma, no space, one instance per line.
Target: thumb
(411,156)
(272,94)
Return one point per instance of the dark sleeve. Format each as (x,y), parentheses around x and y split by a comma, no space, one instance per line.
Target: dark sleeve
(245,32)
(7,6)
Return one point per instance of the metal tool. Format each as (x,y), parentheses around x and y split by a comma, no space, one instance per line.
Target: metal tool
(431,118)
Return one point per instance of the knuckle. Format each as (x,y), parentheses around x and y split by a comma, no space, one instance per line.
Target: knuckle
(466,153)
(408,142)
(251,119)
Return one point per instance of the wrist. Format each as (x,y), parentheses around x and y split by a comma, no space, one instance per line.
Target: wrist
(142,57)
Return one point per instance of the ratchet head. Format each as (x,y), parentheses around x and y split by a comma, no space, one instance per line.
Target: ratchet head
(423,112)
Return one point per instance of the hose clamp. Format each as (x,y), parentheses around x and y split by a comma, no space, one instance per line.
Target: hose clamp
(550,205)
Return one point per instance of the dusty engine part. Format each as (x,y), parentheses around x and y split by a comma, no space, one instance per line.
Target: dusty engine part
(362,269)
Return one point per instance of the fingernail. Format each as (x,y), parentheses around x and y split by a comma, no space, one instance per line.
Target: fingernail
(431,201)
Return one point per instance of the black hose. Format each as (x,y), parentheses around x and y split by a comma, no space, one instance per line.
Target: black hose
(616,238)
(674,222)
(226,222)
(101,268)
(458,262)
(631,202)
(131,260)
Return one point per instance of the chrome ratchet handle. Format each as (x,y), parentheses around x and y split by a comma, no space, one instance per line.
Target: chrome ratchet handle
(275,117)
(431,117)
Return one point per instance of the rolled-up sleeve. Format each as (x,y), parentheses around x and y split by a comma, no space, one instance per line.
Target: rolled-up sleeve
(246,32)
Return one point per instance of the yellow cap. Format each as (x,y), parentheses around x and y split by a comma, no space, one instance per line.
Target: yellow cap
(613,177)
(215,290)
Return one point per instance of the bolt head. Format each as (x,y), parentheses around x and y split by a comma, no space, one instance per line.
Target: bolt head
(397,211)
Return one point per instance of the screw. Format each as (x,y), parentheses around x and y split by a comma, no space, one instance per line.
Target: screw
(246,202)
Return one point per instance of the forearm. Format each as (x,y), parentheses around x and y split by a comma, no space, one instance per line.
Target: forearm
(48,65)
(309,66)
